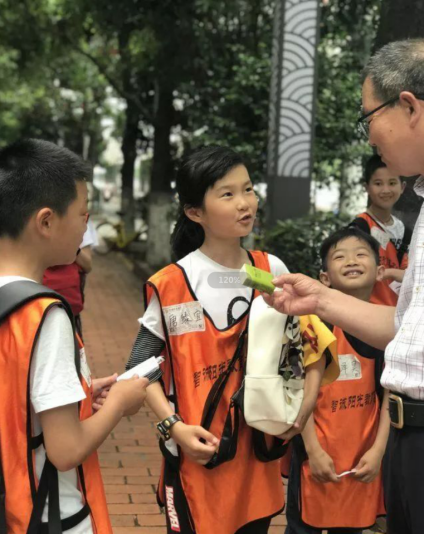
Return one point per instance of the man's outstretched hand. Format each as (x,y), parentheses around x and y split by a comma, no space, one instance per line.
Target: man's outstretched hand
(297,295)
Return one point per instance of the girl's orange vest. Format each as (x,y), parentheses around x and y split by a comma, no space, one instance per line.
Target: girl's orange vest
(18,335)
(346,421)
(382,293)
(241,490)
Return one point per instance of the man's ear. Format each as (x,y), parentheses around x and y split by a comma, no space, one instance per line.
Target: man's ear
(44,219)
(194,214)
(410,103)
(324,278)
(380,273)
(403,186)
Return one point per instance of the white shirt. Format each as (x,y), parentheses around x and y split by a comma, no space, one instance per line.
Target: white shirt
(90,237)
(54,382)
(203,273)
(396,230)
(404,356)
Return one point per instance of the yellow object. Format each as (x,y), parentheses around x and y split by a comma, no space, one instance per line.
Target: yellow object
(316,339)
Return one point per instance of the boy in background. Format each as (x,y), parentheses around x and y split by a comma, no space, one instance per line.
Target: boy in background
(347,431)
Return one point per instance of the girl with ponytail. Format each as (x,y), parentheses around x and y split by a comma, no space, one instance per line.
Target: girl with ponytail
(196,316)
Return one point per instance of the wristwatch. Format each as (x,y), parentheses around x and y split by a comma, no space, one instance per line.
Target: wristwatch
(165,426)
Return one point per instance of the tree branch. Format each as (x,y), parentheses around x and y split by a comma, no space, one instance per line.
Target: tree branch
(114,83)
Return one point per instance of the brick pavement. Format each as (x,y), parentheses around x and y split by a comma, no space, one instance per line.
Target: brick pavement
(130,458)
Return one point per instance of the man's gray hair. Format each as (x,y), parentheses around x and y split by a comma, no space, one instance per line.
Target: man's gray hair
(397,67)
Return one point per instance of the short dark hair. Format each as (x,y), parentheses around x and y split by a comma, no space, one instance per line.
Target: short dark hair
(350,231)
(35,174)
(372,165)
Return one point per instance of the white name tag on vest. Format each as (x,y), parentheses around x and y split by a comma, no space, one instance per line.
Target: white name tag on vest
(184,318)
(380,236)
(85,370)
(350,367)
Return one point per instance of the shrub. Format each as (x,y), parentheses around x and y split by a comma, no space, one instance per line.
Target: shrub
(297,241)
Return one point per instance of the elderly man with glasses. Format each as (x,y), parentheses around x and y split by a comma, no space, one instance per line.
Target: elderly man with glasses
(393,120)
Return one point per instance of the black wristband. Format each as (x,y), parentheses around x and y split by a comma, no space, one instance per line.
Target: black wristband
(165,426)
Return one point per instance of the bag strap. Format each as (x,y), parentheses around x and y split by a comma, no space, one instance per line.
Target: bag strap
(16,294)
(262,452)
(404,246)
(228,443)
(371,353)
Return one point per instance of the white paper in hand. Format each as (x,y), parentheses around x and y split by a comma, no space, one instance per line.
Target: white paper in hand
(351,472)
(145,369)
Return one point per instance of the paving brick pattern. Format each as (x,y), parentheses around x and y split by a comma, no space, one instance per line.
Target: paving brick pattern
(130,458)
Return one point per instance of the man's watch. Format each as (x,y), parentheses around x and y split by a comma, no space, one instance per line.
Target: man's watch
(165,426)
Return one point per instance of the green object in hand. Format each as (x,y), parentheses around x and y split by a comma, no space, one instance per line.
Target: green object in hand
(257,278)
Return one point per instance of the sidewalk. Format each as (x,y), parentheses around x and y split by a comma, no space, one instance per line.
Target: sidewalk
(130,457)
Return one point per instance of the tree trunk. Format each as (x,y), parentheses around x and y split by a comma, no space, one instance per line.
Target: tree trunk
(162,168)
(129,151)
(160,200)
(400,19)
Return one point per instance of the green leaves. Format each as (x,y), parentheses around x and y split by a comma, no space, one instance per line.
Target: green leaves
(297,241)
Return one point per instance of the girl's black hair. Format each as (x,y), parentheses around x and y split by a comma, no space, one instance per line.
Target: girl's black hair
(198,172)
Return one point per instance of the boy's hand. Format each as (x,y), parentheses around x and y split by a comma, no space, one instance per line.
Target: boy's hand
(322,467)
(305,411)
(301,295)
(101,387)
(369,466)
(129,394)
(188,438)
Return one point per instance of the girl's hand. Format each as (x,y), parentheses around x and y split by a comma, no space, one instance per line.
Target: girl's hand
(322,467)
(369,466)
(189,437)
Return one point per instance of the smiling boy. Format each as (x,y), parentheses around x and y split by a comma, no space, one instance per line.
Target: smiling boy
(384,190)
(346,431)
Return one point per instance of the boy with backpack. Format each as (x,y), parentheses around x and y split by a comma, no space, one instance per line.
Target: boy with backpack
(50,478)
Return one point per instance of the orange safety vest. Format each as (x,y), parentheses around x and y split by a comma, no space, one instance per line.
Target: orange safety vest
(382,293)
(18,336)
(346,421)
(243,489)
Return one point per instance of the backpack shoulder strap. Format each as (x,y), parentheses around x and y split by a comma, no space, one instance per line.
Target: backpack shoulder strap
(404,246)
(16,294)
(360,223)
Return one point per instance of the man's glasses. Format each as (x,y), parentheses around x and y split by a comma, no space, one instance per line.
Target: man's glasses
(364,125)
